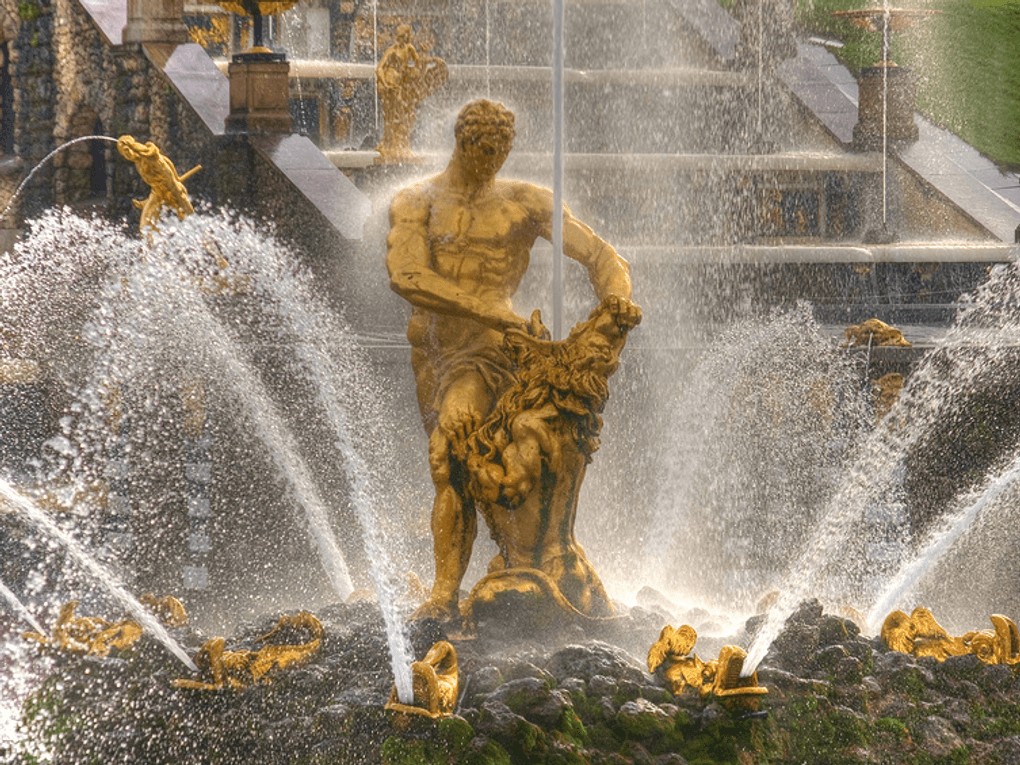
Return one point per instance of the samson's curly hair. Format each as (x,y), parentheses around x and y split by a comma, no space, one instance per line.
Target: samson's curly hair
(484,114)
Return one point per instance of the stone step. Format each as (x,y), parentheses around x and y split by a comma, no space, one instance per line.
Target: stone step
(660,110)
(673,200)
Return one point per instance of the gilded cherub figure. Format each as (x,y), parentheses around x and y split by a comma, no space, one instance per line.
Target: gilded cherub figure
(404,78)
(166,186)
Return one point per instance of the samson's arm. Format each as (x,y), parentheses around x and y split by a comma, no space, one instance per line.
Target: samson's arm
(413,278)
(608,273)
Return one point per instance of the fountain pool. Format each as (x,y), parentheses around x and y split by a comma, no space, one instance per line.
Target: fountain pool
(232,420)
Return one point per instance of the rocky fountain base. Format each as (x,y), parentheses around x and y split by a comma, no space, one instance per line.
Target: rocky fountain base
(581,696)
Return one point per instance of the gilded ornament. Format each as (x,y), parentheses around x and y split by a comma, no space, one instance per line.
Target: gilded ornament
(87,634)
(874,333)
(680,669)
(240,669)
(436,682)
(921,635)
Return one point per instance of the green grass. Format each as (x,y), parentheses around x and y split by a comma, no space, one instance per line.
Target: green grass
(967,60)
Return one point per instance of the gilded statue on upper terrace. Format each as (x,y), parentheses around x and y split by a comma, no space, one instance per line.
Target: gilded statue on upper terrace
(404,78)
(458,247)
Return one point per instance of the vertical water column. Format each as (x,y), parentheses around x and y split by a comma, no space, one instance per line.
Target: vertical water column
(557,227)
(197,479)
(117,532)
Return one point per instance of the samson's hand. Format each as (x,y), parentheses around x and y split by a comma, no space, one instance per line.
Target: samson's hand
(626,312)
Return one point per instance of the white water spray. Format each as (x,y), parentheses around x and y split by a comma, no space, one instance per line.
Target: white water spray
(19,608)
(940,542)
(38,519)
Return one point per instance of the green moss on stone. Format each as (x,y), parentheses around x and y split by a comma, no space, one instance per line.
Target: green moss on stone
(891,725)
(572,728)
(456,733)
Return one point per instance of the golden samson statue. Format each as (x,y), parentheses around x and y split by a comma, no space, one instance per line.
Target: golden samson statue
(458,247)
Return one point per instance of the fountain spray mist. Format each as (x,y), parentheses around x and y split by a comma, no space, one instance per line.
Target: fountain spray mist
(976,354)
(347,393)
(939,543)
(40,521)
(19,608)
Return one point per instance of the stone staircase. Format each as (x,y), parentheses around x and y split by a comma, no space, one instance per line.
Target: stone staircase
(721,180)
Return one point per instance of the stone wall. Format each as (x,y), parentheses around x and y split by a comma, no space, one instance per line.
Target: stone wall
(70,82)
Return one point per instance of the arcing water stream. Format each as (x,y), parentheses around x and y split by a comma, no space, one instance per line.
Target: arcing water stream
(979,353)
(41,521)
(158,320)
(19,608)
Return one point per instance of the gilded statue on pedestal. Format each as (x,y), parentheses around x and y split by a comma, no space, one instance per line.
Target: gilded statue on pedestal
(404,78)
(458,246)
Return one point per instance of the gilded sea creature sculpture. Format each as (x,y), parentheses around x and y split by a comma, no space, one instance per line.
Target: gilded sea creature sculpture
(921,635)
(874,333)
(458,246)
(404,78)
(91,635)
(680,669)
(167,190)
(239,669)
(436,682)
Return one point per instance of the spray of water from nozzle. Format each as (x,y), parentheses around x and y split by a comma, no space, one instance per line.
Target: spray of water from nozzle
(40,520)
(19,608)
(43,161)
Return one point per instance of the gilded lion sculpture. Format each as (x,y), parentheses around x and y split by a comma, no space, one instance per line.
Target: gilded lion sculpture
(528,459)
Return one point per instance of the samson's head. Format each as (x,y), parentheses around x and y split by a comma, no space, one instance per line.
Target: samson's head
(485,135)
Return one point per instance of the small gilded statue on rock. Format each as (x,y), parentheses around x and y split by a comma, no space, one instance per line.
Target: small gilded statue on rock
(512,417)
(404,78)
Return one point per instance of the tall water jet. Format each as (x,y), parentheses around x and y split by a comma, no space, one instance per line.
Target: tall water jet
(19,608)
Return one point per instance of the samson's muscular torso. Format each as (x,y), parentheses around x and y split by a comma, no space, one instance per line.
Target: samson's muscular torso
(458,258)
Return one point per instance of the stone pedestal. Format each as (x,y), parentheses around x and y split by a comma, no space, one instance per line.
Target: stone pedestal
(259,94)
(155,21)
(902,84)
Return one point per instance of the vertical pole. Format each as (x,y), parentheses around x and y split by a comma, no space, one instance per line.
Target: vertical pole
(885,115)
(557,227)
(488,63)
(375,57)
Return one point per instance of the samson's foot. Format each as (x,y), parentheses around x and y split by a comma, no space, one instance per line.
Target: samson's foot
(444,610)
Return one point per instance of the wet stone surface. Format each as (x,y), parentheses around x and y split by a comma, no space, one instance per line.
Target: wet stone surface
(835,697)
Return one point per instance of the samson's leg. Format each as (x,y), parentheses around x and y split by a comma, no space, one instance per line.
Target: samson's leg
(454,521)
